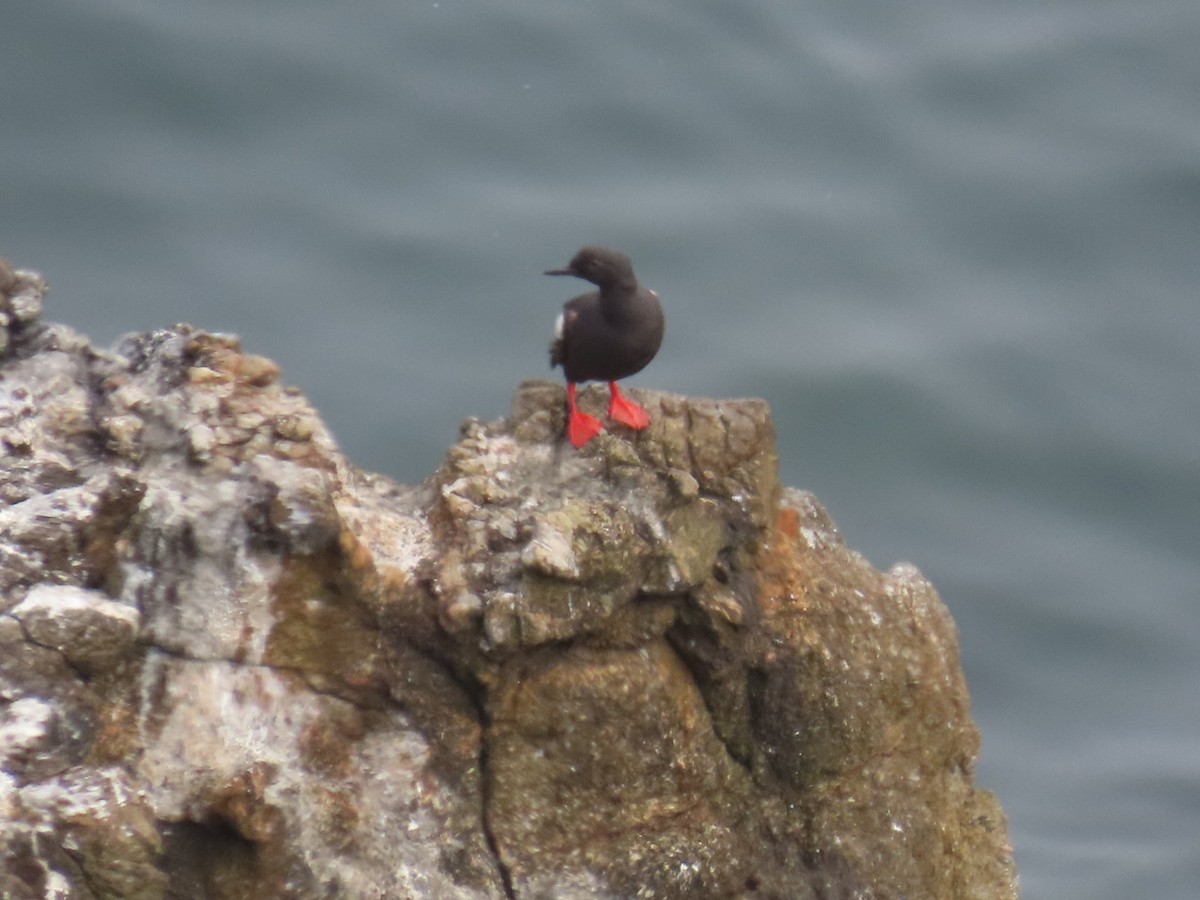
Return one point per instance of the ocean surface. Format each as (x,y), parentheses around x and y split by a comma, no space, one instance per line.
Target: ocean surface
(955,245)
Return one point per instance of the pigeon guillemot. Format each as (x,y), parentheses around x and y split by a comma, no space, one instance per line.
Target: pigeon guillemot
(606,335)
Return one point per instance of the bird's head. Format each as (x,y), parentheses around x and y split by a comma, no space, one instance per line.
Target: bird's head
(599,265)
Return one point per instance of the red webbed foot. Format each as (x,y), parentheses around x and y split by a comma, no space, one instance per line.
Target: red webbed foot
(581,427)
(622,409)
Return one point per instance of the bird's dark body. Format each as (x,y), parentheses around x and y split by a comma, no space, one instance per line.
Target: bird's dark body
(606,335)
(610,352)
(611,333)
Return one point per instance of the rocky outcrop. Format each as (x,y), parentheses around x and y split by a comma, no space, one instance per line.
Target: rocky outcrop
(234,666)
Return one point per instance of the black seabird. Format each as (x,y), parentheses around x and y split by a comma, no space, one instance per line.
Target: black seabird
(606,335)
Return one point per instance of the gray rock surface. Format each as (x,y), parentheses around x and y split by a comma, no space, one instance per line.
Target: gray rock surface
(232,665)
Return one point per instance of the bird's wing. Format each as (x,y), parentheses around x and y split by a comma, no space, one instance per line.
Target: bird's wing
(561,326)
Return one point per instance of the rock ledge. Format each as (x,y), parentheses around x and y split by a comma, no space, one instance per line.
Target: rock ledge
(232,665)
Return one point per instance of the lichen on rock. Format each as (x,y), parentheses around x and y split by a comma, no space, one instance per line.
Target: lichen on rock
(233,665)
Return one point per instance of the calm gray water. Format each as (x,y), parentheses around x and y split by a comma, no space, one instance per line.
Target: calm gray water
(955,245)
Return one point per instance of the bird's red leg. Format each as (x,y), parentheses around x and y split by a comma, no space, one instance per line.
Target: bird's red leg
(581,427)
(622,409)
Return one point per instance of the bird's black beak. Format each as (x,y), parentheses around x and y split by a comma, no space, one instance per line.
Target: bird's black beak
(558,272)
